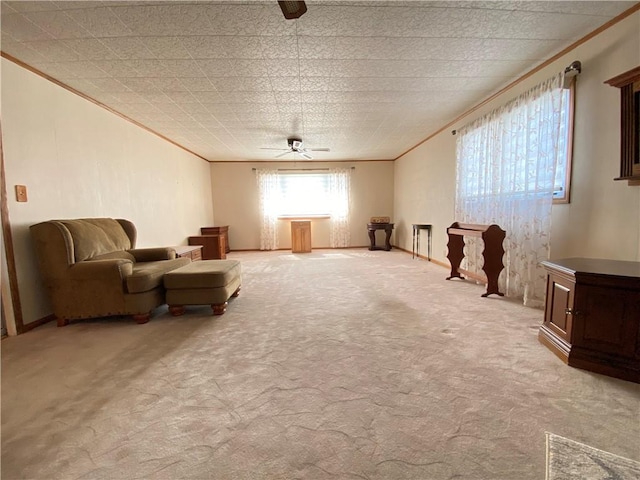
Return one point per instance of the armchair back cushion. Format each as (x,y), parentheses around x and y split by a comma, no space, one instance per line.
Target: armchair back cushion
(96,236)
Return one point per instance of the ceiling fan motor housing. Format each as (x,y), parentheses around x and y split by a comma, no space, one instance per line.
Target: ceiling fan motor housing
(294,142)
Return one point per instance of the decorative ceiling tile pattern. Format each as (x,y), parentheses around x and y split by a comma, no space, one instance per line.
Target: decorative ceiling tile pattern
(367,79)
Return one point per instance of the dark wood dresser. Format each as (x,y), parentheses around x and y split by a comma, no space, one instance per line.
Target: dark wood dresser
(222,230)
(592,315)
(214,241)
(213,246)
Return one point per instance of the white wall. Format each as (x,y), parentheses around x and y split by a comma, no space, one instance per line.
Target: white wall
(79,160)
(603,218)
(235,200)
(424,191)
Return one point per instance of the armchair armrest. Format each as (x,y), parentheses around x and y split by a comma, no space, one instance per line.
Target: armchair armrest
(153,254)
(110,270)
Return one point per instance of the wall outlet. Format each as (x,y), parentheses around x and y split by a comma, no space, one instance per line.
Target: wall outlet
(21,193)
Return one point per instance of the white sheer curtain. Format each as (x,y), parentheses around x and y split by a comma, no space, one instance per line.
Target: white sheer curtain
(340,204)
(268,191)
(506,164)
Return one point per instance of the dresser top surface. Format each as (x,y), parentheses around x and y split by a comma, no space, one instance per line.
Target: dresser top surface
(182,249)
(595,266)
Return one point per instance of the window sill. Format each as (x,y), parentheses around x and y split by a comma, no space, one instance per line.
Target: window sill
(302,217)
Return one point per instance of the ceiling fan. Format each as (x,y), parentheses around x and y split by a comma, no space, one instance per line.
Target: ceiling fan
(296,146)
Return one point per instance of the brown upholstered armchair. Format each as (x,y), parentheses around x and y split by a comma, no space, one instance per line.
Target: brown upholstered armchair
(91,268)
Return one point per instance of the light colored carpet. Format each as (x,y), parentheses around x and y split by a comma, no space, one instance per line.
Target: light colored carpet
(569,460)
(339,364)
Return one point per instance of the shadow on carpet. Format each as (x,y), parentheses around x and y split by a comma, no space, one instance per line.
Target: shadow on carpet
(569,460)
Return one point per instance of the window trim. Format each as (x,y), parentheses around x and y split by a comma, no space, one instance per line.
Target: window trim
(304,217)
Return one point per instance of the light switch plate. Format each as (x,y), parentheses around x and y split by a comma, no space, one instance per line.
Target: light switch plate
(21,193)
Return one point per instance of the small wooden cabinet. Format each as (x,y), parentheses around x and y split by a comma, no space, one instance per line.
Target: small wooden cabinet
(213,246)
(222,230)
(300,236)
(592,315)
(188,251)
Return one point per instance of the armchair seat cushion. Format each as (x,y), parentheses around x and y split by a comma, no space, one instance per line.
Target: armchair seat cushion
(148,275)
(115,256)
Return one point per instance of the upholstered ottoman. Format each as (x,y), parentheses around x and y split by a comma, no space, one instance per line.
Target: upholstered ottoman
(206,282)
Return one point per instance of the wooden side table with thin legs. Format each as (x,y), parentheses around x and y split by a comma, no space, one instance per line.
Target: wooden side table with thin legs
(415,244)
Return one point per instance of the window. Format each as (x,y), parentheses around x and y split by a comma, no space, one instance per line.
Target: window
(562,184)
(517,136)
(303,194)
(289,194)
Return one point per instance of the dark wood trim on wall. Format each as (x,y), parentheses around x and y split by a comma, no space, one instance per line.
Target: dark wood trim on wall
(283,249)
(8,245)
(95,102)
(430,260)
(31,325)
(4,320)
(439,263)
(306,162)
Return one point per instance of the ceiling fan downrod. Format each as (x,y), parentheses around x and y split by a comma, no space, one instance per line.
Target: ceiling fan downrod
(292,10)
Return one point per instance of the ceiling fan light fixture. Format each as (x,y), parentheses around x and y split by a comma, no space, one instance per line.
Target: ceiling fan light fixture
(292,9)
(293,140)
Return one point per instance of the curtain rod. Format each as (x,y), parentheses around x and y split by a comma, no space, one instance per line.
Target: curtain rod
(573,70)
(302,169)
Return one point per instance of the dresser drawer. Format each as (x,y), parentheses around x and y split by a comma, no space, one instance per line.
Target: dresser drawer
(189,251)
(196,254)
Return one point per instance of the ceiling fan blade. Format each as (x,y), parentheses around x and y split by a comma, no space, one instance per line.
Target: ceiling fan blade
(296,146)
(283,154)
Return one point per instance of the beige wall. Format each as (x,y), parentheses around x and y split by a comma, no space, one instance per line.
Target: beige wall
(79,160)
(603,218)
(235,201)
(424,191)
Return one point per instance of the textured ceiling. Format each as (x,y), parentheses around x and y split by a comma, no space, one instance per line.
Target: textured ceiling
(369,80)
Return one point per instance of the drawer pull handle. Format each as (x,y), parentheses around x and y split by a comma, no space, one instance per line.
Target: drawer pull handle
(570,311)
